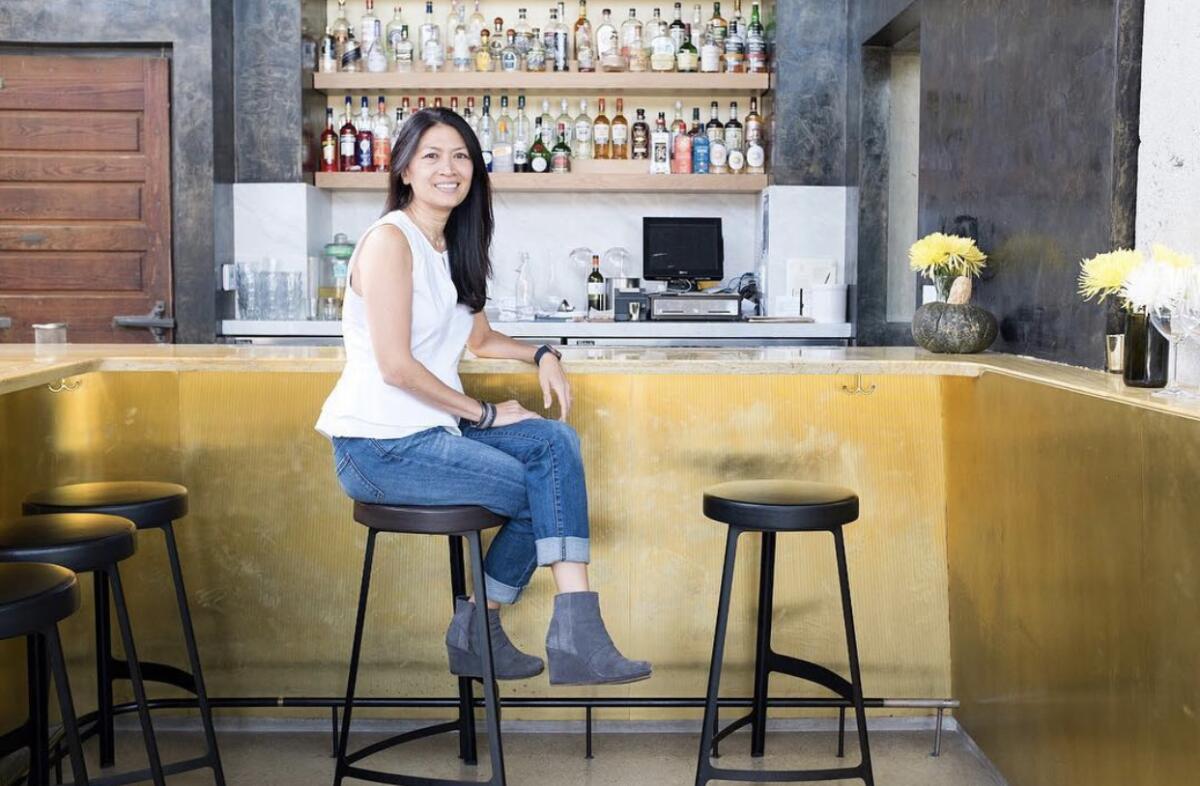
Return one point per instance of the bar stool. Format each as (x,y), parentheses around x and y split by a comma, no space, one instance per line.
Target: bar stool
(83,543)
(456,522)
(770,507)
(149,505)
(34,598)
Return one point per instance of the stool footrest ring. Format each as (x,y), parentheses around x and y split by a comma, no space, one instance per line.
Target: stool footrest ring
(745,720)
(811,672)
(139,776)
(785,776)
(156,672)
(376,776)
(400,739)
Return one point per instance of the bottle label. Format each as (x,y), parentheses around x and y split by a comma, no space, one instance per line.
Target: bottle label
(583,131)
(520,154)
(608,43)
(595,289)
(538,164)
(620,134)
(561,162)
(733,138)
(755,156)
(346,145)
(681,163)
(381,153)
(329,153)
(600,133)
(737,161)
(585,57)
(363,159)
(710,58)
(510,60)
(717,155)
(686,60)
(487,159)
(432,54)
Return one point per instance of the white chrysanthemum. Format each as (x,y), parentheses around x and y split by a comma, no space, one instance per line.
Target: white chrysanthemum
(1148,286)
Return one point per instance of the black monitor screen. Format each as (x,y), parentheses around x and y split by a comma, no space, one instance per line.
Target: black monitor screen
(682,248)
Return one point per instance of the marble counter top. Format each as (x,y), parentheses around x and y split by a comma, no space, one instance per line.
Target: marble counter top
(25,365)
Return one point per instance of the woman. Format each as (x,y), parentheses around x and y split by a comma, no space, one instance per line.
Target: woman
(404,433)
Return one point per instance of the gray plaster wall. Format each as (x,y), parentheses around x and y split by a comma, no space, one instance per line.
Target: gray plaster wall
(267,91)
(184,27)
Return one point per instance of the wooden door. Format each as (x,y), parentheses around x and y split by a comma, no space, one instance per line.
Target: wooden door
(85,194)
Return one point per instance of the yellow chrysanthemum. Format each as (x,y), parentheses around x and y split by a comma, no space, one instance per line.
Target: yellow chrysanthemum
(939,254)
(1170,257)
(1105,274)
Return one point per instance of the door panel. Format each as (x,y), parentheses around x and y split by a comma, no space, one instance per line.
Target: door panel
(84,193)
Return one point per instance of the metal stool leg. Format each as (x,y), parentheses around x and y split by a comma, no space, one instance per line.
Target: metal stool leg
(66,706)
(491,701)
(355,651)
(703,767)
(104,670)
(39,710)
(860,715)
(193,653)
(762,649)
(135,675)
(466,703)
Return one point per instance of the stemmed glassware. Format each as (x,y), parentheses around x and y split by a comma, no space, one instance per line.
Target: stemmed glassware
(1178,321)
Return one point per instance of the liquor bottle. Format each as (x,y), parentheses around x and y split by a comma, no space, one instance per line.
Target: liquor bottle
(548,133)
(560,53)
(620,133)
(681,153)
(710,53)
(340,30)
(352,54)
(485,132)
(456,17)
(718,27)
(714,128)
(735,43)
(565,125)
(398,123)
(756,42)
(503,158)
(524,32)
(652,28)
(461,56)
(687,59)
(754,123)
(328,58)
(535,56)
(483,55)
(756,157)
(420,103)
(582,145)
(608,45)
(678,125)
(364,140)
(595,287)
(347,140)
(404,50)
(601,133)
(433,53)
(392,33)
(662,46)
(521,138)
(585,51)
(631,42)
(497,41)
(660,148)
(470,117)
(475,25)
(308,48)
(371,40)
(548,37)
(539,153)
(698,25)
(381,141)
(560,154)
(735,140)
(678,29)
(329,144)
(510,59)
(639,137)
(699,149)
(718,156)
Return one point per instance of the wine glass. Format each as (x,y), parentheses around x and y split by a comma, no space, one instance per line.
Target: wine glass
(1177,322)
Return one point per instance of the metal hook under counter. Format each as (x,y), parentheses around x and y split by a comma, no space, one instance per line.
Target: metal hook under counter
(858,389)
(64,385)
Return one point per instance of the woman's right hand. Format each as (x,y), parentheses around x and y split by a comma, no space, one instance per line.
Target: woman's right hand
(509,412)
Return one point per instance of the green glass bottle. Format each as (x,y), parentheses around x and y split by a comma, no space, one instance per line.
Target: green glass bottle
(539,154)
(560,154)
(595,287)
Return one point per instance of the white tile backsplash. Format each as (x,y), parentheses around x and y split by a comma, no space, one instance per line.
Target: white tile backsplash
(283,221)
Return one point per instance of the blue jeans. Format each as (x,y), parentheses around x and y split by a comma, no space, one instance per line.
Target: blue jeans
(529,472)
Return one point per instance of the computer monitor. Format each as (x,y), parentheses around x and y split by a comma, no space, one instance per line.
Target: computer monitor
(682,248)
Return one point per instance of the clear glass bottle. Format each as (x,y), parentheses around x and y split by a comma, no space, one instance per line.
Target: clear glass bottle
(352,55)
(535,56)
(483,55)
(756,42)
(581,147)
(710,54)
(608,45)
(404,50)
(662,47)
(687,59)
(560,154)
(392,33)
(485,132)
(475,25)
(639,137)
(601,133)
(539,151)
(631,42)
(497,40)
(329,60)
(381,143)
(461,57)
(660,148)
(370,28)
(678,29)
(510,59)
(620,132)
(521,137)
(560,54)
(457,16)
(524,32)
(585,51)
(365,139)
(454,105)
(503,159)
(699,26)
(651,29)
(565,124)
(433,53)
(547,126)
(340,30)
(523,294)
(470,117)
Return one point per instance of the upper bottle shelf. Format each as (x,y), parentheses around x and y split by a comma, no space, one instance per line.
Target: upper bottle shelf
(543,82)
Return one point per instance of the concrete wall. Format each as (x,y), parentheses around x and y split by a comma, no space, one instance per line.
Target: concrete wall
(1169,162)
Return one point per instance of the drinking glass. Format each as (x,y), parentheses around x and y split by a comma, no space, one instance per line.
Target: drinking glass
(250,302)
(1177,323)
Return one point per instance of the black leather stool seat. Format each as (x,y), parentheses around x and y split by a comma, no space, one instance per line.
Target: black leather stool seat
(446,520)
(83,542)
(145,503)
(35,596)
(781,505)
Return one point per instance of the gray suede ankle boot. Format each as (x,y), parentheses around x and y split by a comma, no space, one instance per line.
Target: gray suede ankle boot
(465,660)
(579,649)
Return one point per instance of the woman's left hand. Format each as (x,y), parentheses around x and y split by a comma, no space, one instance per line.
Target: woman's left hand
(553,380)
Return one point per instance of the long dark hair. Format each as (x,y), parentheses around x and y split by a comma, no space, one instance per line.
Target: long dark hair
(469,230)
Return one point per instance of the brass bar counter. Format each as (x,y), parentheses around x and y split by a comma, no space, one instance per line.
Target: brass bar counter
(1028,539)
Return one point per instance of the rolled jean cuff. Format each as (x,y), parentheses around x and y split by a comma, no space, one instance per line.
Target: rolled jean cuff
(551,550)
(499,591)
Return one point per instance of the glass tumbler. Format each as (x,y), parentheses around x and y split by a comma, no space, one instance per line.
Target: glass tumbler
(249,291)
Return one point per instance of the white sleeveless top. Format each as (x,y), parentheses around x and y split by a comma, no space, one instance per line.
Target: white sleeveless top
(362,404)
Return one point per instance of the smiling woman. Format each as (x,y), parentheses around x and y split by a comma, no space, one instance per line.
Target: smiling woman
(404,433)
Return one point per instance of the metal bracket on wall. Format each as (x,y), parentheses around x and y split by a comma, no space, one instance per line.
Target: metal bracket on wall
(64,385)
(858,389)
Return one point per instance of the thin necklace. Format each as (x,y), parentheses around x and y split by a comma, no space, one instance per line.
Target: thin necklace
(439,244)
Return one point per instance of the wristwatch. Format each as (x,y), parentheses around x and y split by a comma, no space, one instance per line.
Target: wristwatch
(542,350)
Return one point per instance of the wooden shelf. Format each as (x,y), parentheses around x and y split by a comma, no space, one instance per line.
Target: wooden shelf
(580,182)
(448,81)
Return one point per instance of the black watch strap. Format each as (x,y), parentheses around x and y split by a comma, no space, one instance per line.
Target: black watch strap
(542,350)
